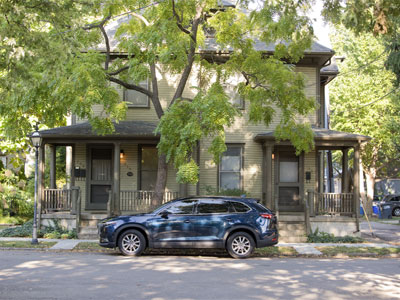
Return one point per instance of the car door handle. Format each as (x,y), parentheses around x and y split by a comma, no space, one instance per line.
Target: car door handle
(187,221)
(229,220)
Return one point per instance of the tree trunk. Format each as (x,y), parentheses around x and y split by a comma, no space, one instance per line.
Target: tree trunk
(161,181)
(370,176)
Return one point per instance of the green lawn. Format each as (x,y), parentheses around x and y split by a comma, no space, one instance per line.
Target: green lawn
(25,244)
(275,251)
(337,250)
(91,246)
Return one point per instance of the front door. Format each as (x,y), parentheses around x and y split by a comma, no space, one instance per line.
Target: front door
(289,180)
(99,177)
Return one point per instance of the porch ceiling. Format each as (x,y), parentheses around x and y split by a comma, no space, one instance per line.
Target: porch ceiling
(322,137)
(84,131)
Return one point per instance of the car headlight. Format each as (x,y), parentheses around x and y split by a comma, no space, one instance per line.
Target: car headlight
(110,223)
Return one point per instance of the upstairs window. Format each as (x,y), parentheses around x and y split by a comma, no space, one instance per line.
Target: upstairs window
(234,97)
(230,168)
(137,99)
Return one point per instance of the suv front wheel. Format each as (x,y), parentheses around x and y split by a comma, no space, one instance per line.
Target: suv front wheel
(240,245)
(131,242)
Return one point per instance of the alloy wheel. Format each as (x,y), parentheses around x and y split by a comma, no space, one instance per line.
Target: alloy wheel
(241,245)
(131,243)
(396,212)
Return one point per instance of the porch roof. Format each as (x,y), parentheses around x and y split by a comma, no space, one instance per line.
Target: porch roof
(123,130)
(323,137)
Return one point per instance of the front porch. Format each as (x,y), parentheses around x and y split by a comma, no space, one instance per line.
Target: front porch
(294,185)
(106,175)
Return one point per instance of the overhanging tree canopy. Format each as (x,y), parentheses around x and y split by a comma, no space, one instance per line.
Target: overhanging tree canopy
(50,71)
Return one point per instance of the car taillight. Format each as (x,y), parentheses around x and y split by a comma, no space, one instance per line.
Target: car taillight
(266,216)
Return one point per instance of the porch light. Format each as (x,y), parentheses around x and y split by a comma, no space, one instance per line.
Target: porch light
(273,156)
(121,154)
(36,140)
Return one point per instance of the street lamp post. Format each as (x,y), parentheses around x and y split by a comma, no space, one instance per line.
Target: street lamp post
(36,140)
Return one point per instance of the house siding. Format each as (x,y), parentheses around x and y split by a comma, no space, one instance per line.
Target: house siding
(242,132)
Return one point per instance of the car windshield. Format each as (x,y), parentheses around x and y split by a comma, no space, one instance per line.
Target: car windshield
(160,208)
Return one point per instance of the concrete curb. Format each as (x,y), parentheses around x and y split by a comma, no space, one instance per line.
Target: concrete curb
(301,248)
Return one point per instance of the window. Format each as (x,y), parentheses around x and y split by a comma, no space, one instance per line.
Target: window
(288,167)
(240,207)
(213,207)
(181,207)
(136,99)
(230,168)
(148,167)
(234,97)
(3,161)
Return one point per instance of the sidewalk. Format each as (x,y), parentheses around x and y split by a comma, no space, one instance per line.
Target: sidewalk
(301,248)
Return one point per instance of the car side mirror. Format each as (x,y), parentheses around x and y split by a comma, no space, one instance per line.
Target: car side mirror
(164,214)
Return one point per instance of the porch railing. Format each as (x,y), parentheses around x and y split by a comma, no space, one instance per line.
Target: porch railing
(56,200)
(332,203)
(141,200)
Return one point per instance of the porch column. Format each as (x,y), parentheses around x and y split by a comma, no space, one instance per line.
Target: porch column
(356,184)
(52,149)
(116,179)
(41,165)
(345,170)
(69,166)
(268,175)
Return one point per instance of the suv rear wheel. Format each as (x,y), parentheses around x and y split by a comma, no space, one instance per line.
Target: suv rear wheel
(396,212)
(131,243)
(240,245)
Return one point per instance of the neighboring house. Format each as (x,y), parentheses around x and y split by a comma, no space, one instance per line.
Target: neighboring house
(116,173)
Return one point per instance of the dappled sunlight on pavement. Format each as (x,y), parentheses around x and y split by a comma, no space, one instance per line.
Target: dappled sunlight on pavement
(109,276)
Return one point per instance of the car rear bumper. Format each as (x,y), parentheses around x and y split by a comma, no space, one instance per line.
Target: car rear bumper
(268,240)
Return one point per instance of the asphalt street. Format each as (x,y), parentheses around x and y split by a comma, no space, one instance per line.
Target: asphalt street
(60,275)
(383,232)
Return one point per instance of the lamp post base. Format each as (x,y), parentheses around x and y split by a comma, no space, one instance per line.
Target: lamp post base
(34,242)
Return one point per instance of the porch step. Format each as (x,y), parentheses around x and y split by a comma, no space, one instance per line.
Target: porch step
(291,217)
(92,216)
(91,220)
(88,233)
(292,228)
(293,239)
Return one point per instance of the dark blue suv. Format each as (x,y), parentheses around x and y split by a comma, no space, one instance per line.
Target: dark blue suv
(237,224)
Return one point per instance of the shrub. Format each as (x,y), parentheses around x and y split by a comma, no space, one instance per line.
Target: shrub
(49,232)
(230,192)
(324,237)
(24,230)
(14,200)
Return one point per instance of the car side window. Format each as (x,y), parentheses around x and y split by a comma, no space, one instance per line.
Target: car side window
(181,207)
(213,207)
(240,207)
(395,199)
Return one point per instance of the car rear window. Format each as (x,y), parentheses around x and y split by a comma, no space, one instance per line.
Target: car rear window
(240,207)
(261,207)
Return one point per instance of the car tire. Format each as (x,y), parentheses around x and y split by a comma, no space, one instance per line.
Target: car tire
(131,243)
(240,245)
(396,212)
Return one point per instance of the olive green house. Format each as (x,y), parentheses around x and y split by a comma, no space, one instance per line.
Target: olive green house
(116,173)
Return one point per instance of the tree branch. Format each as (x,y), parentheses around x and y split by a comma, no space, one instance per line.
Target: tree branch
(107,42)
(191,55)
(118,71)
(130,86)
(179,20)
(154,99)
